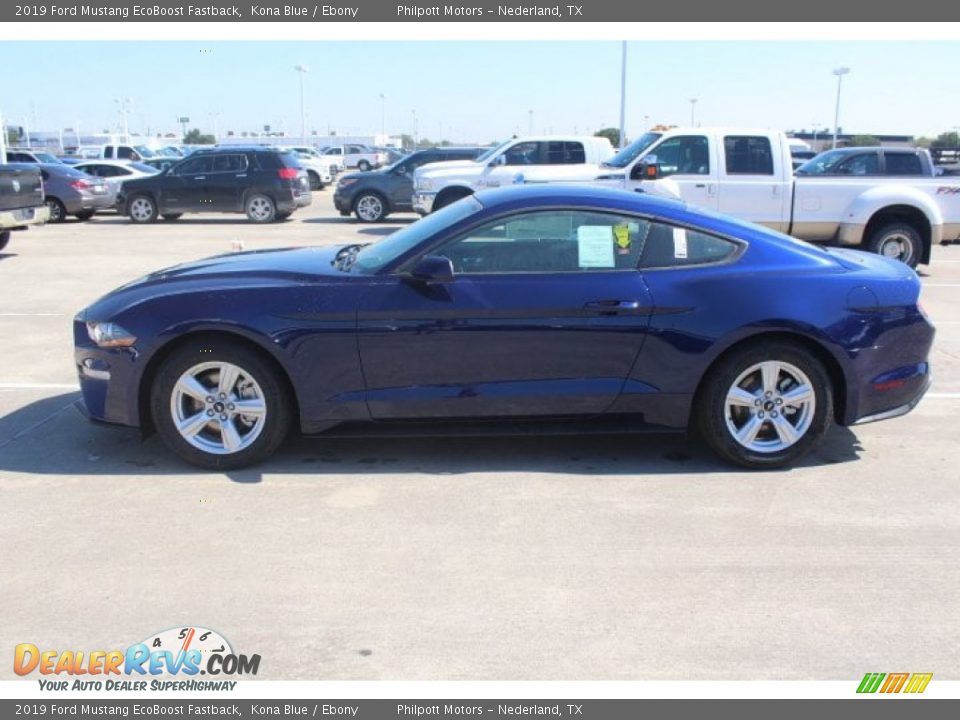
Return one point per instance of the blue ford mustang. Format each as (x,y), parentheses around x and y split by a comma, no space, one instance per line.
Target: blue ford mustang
(544,309)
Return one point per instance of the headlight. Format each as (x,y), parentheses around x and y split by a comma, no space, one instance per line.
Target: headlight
(108,334)
(347,181)
(425,184)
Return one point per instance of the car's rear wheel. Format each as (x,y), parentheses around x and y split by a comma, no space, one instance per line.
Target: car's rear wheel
(315,183)
(898,241)
(370,207)
(85,215)
(363,165)
(142,209)
(58,213)
(4,238)
(170,217)
(765,405)
(220,405)
(282,216)
(261,209)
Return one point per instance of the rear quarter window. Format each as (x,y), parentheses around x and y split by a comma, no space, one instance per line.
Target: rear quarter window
(748,155)
(903,164)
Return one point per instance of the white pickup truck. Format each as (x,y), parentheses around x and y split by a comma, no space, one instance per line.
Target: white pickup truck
(747,173)
(356,156)
(520,160)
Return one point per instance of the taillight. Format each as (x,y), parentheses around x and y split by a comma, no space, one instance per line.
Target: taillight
(80,184)
(288,173)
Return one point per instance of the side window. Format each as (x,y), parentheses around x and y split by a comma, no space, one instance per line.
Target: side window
(903,164)
(108,151)
(865,164)
(746,155)
(526,153)
(18,157)
(194,166)
(684,155)
(229,163)
(576,155)
(565,153)
(666,246)
(550,241)
(125,153)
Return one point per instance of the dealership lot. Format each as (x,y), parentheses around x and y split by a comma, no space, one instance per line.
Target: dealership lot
(617,557)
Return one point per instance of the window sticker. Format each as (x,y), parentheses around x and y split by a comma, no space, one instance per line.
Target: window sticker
(595,246)
(680,243)
(621,235)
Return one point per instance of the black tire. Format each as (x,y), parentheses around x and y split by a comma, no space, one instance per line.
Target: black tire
(85,215)
(277,419)
(58,213)
(710,407)
(370,207)
(281,216)
(142,209)
(363,166)
(172,217)
(260,208)
(897,240)
(4,238)
(449,197)
(315,183)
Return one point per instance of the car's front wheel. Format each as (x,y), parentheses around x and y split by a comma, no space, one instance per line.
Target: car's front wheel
(363,166)
(370,207)
(220,405)
(765,405)
(261,209)
(85,215)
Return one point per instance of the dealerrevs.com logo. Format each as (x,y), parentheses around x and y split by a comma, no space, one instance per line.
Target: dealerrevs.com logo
(168,660)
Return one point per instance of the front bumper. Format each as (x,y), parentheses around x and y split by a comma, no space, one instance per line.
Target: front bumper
(423,202)
(108,379)
(343,201)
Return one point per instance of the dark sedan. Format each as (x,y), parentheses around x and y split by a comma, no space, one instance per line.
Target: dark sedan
(373,195)
(547,308)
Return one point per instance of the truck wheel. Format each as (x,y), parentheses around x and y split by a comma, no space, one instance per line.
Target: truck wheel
(170,217)
(370,208)
(142,209)
(315,183)
(448,198)
(261,209)
(4,239)
(363,165)
(897,240)
(58,213)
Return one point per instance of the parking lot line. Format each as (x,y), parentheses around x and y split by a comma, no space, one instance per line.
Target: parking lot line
(39,386)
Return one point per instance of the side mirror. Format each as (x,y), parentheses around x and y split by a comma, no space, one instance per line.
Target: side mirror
(646,169)
(499,160)
(433,269)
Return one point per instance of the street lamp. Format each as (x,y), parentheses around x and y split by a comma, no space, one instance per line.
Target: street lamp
(383,115)
(530,123)
(302,70)
(693,104)
(123,107)
(215,116)
(839,72)
(623,96)
(416,136)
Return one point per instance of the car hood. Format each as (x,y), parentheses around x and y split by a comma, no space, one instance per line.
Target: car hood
(291,266)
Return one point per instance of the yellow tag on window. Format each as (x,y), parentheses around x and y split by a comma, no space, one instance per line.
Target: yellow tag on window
(621,234)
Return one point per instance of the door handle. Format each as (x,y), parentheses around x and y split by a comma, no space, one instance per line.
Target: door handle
(200,177)
(612,305)
(243,175)
(700,185)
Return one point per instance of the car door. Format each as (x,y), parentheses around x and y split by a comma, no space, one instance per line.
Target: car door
(753,184)
(545,316)
(225,182)
(690,162)
(401,180)
(186,187)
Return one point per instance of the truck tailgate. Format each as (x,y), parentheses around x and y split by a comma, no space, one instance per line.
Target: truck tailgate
(20,187)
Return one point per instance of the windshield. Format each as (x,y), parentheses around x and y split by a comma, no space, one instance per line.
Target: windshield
(632,151)
(47,158)
(493,151)
(824,163)
(372,258)
(145,151)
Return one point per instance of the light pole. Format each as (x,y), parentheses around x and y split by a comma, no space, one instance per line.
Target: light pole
(383,114)
(815,126)
(416,135)
(123,107)
(530,122)
(839,72)
(215,116)
(693,104)
(302,70)
(623,96)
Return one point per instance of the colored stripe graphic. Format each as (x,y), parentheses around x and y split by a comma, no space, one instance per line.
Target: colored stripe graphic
(918,682)
(894,682)
(870,682)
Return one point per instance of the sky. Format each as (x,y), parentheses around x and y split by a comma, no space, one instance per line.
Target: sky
(481,91)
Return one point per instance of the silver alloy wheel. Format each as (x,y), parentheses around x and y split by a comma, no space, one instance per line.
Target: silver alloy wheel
(54,207)
(141,209)
(260,208)
(370,208)
(898,246)
(218,407)
(770,406)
